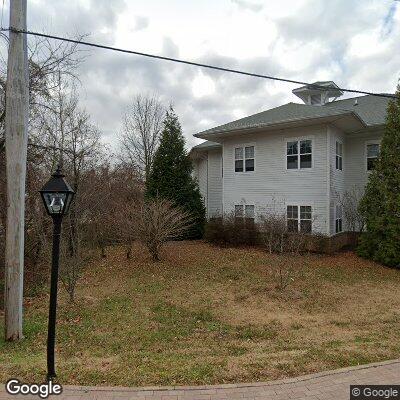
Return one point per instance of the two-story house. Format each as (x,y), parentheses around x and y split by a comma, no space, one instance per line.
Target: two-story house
(295,159)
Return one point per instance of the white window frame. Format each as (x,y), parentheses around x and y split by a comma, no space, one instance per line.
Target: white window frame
(338,218)
(368,142)
(299,219)
(243,147)
(338,156)
(243,212)
(298,140)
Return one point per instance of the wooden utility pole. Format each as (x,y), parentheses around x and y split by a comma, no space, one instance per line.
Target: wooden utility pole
(17,106)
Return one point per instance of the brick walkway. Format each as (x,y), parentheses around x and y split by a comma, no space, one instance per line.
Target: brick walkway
(332,385)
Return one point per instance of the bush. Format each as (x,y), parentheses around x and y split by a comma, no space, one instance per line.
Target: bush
(271,233)
(231,231)
(160,221)
(275,237)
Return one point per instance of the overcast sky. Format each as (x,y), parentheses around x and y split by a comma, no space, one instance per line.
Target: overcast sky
(355,43)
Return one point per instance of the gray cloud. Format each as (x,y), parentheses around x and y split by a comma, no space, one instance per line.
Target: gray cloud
(141,23)
(322,32)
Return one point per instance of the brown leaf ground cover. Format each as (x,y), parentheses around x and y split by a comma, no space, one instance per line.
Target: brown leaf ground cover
(212,315)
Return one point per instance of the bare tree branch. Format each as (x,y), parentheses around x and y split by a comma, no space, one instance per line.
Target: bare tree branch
(142,126)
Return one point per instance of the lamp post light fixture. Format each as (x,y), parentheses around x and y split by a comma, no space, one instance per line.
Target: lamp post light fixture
(57,195)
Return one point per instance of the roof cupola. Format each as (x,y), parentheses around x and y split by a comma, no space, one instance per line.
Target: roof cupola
(318,93)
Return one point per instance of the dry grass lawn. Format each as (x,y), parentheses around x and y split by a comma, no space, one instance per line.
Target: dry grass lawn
(212,315)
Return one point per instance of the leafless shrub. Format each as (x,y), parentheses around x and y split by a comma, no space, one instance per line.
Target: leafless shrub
(230,230)
(287,269)
(286,247)
(159,221)
(274,232)
(277,239)
(349,201)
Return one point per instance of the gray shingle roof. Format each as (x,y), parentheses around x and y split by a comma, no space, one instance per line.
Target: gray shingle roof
(370,109)
(206,145)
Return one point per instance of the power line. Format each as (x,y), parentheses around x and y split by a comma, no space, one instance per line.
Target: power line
(196,64)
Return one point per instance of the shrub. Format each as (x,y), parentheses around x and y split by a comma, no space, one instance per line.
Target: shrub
(231,231)
(274,233)
(159,221)
(275,237)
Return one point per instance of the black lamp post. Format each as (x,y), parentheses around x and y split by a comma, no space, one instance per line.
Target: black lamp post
(57,196)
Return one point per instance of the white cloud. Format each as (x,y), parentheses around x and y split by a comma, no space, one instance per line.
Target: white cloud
(248,5)
(202,85)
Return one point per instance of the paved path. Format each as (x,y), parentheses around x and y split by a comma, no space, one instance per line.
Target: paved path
(332,385)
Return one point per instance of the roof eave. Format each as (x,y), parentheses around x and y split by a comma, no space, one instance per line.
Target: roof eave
(278,125)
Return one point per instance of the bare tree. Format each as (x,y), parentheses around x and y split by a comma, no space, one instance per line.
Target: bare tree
(159,221)
(64,125)
(47,62)
(142,126)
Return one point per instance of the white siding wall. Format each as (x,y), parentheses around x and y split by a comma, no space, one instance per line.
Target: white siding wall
(271,184)
(337,177)
(355,153)
(356,175)
(208,171)
(214,206)
(200,172)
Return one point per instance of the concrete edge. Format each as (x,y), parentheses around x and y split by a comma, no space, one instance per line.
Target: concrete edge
(233,385)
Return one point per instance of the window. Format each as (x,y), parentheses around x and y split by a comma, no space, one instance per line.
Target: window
(339,156)
(249,211)
(239,159)
(299,154)
(244,159)
(239,210)
(338,219)
(292,218)
(372,155)
(244,211)
(299,221)
(305,219)
(315,99)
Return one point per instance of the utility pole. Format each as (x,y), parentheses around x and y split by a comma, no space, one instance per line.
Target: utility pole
(17,108)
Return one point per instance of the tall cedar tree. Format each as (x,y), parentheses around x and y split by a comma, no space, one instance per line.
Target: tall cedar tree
(171,175)
(380,205)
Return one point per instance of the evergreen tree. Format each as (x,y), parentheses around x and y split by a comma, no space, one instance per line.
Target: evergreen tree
(381,202)
(171,175)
